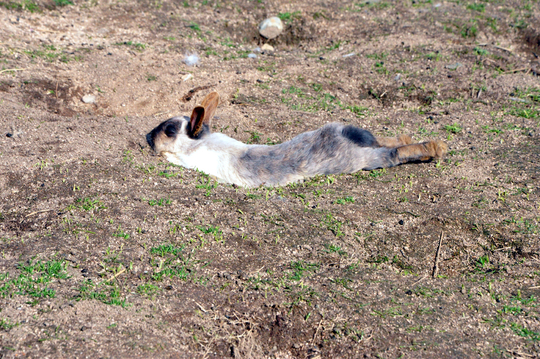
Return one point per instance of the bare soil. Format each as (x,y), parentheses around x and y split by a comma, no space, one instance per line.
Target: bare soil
(109,251)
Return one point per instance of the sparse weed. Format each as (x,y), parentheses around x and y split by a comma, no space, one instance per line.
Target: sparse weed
(333,225)
(136,45)
(331,248)
(348,199)
(159,202)
(149,290)
(86,204)
(455,128)
(301,267)
(288,17)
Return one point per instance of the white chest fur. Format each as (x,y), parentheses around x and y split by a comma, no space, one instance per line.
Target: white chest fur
(216,154)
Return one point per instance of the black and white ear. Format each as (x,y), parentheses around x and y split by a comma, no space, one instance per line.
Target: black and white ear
(203,114)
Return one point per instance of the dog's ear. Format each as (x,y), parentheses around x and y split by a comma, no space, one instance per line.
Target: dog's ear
(196,122)
(210,104)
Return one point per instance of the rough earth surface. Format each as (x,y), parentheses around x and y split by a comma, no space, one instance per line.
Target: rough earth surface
(109,251)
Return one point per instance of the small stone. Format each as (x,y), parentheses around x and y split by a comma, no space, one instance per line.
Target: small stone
(267,47)
(271,27)
(89,99)
(454,66)
(252,56)
(401,222)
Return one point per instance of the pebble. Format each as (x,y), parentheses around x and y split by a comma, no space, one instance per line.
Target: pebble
(89,99)
(267,47)
(454,66)
(271,27)
(252,56)
(349,55)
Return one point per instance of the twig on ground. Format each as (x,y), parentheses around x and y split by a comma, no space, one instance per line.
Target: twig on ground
(200,306)
(6,70)
(36,212)
(502,48)
(113,277)
(436,266)
(518,70)
(316,331)
(418,281)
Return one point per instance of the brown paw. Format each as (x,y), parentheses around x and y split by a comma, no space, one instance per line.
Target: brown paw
(405,140)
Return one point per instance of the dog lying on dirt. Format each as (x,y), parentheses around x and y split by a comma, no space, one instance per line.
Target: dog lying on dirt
(332,149)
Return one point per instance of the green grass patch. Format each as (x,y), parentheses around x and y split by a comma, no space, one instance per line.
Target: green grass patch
(86,204)
(108,293)
(454,128)
(300,268)
(33,280)
(288,17)
(333,225)
(136,45)
(159,202)
(169,261)
(520,330)
(348,199)
(26,5)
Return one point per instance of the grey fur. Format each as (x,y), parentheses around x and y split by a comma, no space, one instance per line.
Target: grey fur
(320,152)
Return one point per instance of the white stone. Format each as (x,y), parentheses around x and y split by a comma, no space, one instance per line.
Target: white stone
(89,99)
(271,27)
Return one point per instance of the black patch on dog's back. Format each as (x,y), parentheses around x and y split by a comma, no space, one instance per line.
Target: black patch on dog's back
(359,136)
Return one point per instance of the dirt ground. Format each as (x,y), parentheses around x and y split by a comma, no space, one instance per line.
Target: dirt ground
(108,251)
